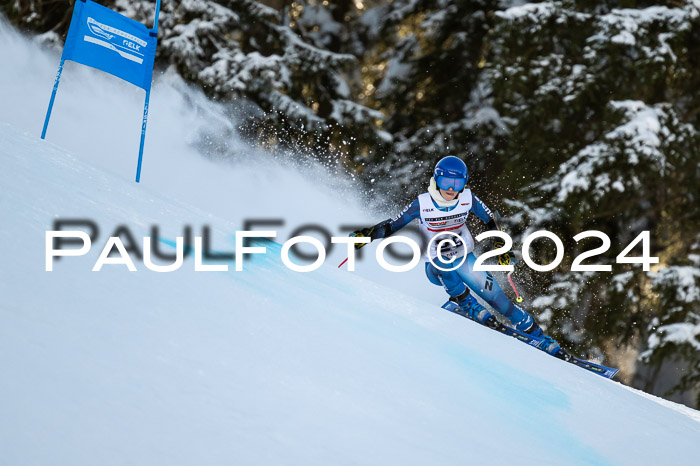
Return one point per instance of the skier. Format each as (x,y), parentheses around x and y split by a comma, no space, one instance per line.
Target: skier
(442,211)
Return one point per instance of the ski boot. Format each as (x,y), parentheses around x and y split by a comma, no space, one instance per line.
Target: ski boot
(524,322)
(549,345)
(473,310)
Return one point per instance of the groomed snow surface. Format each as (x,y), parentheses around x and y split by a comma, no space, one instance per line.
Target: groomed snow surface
(264,366)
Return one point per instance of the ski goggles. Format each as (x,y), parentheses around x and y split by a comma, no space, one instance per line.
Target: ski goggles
(445,183)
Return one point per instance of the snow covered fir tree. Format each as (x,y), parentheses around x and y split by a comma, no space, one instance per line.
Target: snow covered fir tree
(572,116)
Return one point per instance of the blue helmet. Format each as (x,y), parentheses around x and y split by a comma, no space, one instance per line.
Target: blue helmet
(451,172)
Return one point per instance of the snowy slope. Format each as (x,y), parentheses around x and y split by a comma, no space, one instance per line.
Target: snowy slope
(263,366)
(268,365)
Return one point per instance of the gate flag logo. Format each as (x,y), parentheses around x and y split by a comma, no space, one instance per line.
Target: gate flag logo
(106,40)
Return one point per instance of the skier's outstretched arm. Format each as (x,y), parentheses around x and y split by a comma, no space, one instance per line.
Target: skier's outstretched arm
(389,226)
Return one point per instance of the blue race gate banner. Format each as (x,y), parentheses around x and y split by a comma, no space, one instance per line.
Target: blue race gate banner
(106,40)
(101,38)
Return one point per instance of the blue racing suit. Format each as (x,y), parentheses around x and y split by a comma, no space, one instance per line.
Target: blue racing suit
(456,281)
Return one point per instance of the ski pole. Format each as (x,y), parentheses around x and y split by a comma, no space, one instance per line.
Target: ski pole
(497,220)
(510,279)
(356,247)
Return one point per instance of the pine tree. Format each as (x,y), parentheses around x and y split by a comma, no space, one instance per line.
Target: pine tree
(602,111)
(423,70)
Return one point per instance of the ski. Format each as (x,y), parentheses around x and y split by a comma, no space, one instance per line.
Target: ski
(607,372)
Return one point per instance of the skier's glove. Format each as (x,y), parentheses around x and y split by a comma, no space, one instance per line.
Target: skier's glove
(380,230)
(493,224)
(365,232)
(505,258)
